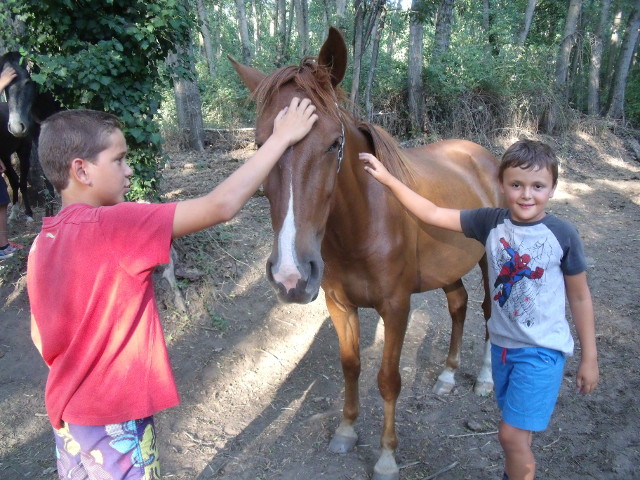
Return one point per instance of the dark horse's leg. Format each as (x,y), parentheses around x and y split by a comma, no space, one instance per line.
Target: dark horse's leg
(347,325)
(24,155)
(19,182)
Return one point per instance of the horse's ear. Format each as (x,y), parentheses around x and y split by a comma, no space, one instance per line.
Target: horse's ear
(249,75)
(333,55)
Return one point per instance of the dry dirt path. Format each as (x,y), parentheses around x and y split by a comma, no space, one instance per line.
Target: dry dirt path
(261,383)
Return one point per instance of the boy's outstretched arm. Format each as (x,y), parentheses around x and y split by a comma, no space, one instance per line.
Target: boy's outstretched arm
(424,209)
(582,311)
(224,201)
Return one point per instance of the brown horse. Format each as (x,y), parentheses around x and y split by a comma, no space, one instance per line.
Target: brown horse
(337,227)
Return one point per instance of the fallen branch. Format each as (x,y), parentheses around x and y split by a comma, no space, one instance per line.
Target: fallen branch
(477,434)
(440,472)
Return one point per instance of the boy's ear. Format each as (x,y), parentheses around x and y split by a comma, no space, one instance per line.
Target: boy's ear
(79,171)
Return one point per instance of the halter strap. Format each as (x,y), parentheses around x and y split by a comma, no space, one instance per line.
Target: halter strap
(341,147)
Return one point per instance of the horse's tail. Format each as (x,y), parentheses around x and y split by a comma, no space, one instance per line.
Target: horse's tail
(387,150)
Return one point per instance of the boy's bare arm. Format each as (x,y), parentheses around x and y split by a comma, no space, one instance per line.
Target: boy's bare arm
(424,209)
(226,200)
(582,311)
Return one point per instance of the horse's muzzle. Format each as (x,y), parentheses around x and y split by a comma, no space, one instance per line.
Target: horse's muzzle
(296,286)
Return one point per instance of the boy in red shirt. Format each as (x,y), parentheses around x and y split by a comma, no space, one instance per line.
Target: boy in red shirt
(93,312)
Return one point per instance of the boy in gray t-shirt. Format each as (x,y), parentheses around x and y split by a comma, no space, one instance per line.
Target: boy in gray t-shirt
(534,258)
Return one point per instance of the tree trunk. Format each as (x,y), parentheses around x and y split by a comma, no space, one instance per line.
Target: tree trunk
(623,65)
(302,22)
(489,20)
(206,37)
(282,56)
(244,32)
(528,17)
(443,30)
(357,51)
(614,46)
(375,48)
(593,101)
(415,92)
(568,40)
(188,102)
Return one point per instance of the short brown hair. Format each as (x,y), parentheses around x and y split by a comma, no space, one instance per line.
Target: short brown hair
(529,154)
(73,134)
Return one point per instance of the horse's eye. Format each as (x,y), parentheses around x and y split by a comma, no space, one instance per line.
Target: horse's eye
(334,146)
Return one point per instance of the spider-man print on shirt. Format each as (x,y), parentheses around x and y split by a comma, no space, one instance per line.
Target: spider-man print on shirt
(514,270)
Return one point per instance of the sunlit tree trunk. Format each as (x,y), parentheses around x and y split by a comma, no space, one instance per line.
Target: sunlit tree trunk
(593,102)
(613,46)
(188,102)
(623,65)
(415,89)
(244,32)
(206,37)
(528,18)
(443,30)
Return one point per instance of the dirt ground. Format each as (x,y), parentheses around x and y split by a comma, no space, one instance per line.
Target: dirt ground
(261,383)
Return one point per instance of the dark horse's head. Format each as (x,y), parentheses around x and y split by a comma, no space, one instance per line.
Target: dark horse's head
(21,94)
(300,187)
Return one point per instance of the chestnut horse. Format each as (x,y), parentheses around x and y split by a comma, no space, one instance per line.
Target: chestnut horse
(336,227)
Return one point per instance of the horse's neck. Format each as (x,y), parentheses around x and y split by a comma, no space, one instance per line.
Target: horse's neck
(351,205)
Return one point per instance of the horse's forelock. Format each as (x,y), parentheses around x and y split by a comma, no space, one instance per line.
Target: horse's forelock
(312,80)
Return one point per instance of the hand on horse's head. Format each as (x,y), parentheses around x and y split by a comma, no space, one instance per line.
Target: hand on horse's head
(6,77)
(295,121)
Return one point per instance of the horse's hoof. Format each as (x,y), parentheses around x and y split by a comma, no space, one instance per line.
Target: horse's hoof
(443,388)
(386,467)
(483,388)
(30,220)
(342,443)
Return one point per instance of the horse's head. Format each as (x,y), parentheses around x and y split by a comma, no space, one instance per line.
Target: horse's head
(21,93)
(300,187)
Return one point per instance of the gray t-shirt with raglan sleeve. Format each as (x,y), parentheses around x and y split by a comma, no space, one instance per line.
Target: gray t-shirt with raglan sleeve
(527,264)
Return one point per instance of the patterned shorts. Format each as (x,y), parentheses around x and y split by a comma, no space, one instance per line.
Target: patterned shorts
(121,451)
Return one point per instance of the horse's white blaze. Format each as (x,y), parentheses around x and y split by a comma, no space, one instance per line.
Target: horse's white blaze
(286,271)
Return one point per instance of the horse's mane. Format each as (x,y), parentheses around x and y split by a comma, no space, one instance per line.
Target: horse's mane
(314,81)
(387,150)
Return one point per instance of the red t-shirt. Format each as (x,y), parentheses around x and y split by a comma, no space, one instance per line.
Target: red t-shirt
(92,299)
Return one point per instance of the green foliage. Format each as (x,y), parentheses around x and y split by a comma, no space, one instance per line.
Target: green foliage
(106,55)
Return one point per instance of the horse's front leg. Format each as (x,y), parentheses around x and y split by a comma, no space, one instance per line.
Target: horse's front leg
(347,325)
(457,302)
(395,316)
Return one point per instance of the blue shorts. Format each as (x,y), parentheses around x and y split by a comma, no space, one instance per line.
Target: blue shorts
(527,382)
(122,451)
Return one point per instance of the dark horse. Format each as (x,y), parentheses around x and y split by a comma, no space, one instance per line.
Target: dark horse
(337,227)
(20,119)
